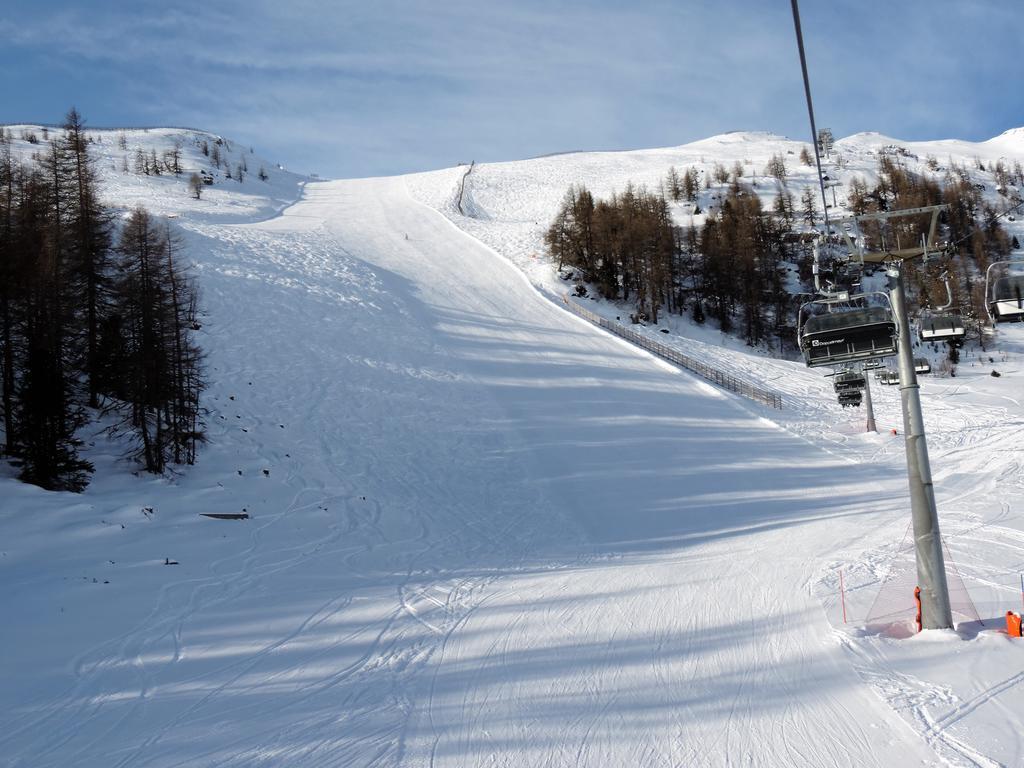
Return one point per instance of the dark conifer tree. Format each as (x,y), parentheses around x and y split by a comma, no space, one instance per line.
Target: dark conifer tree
(155,311)
(691,185)
(90,240)
(9,290)
(77,328)
(46,402)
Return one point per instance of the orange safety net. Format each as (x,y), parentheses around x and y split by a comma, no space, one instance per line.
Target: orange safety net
(895,603)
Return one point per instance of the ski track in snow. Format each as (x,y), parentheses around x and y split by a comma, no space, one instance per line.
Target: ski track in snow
(492,534)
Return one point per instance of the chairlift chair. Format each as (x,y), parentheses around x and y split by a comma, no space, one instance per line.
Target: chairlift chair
(850,398)
(1004,297)
(1007,303)
(846,335)
(872,365)
(848,380)
(941,326)
(921,365)
(889,377)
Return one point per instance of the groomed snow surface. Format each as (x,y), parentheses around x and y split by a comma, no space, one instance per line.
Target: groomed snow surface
(484,532)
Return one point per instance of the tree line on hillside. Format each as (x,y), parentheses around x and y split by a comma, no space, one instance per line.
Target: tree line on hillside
(735,268)
(94,317)
(629,248)
(169,160)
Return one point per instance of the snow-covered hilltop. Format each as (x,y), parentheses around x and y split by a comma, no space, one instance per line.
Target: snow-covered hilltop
(125,161)
(510,205)
(479,531)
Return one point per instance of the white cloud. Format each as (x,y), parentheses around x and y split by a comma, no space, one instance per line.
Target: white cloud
(392,85)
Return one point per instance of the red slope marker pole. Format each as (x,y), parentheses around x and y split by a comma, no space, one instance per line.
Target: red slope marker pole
(842,592)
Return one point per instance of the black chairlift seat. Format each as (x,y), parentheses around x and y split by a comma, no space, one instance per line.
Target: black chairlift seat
(848,381)
(889,377)
(848,335)
(921,365)
(850,398)
(942,327)
(1008,299)
(872,365)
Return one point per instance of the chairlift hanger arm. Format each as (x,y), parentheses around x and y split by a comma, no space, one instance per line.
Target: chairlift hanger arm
(949,292)
(1004,263)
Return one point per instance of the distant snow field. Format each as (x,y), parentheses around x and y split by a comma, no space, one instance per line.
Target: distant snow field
(483,531)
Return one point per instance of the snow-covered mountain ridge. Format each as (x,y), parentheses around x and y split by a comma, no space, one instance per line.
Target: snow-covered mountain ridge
(483,532)
(510,205)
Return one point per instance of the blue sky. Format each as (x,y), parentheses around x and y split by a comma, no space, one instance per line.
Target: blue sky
(381,87)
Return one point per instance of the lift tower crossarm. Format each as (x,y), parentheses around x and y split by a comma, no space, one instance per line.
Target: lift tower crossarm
(879,257)
(881,215)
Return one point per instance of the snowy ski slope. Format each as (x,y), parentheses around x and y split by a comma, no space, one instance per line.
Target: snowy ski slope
(485,532)
(974,420)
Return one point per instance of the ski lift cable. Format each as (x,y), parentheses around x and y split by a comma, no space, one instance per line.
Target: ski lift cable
(970,234)
(810,111)
(814,131)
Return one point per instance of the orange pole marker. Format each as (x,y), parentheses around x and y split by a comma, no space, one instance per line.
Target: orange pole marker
(917,599)
(1013,624)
